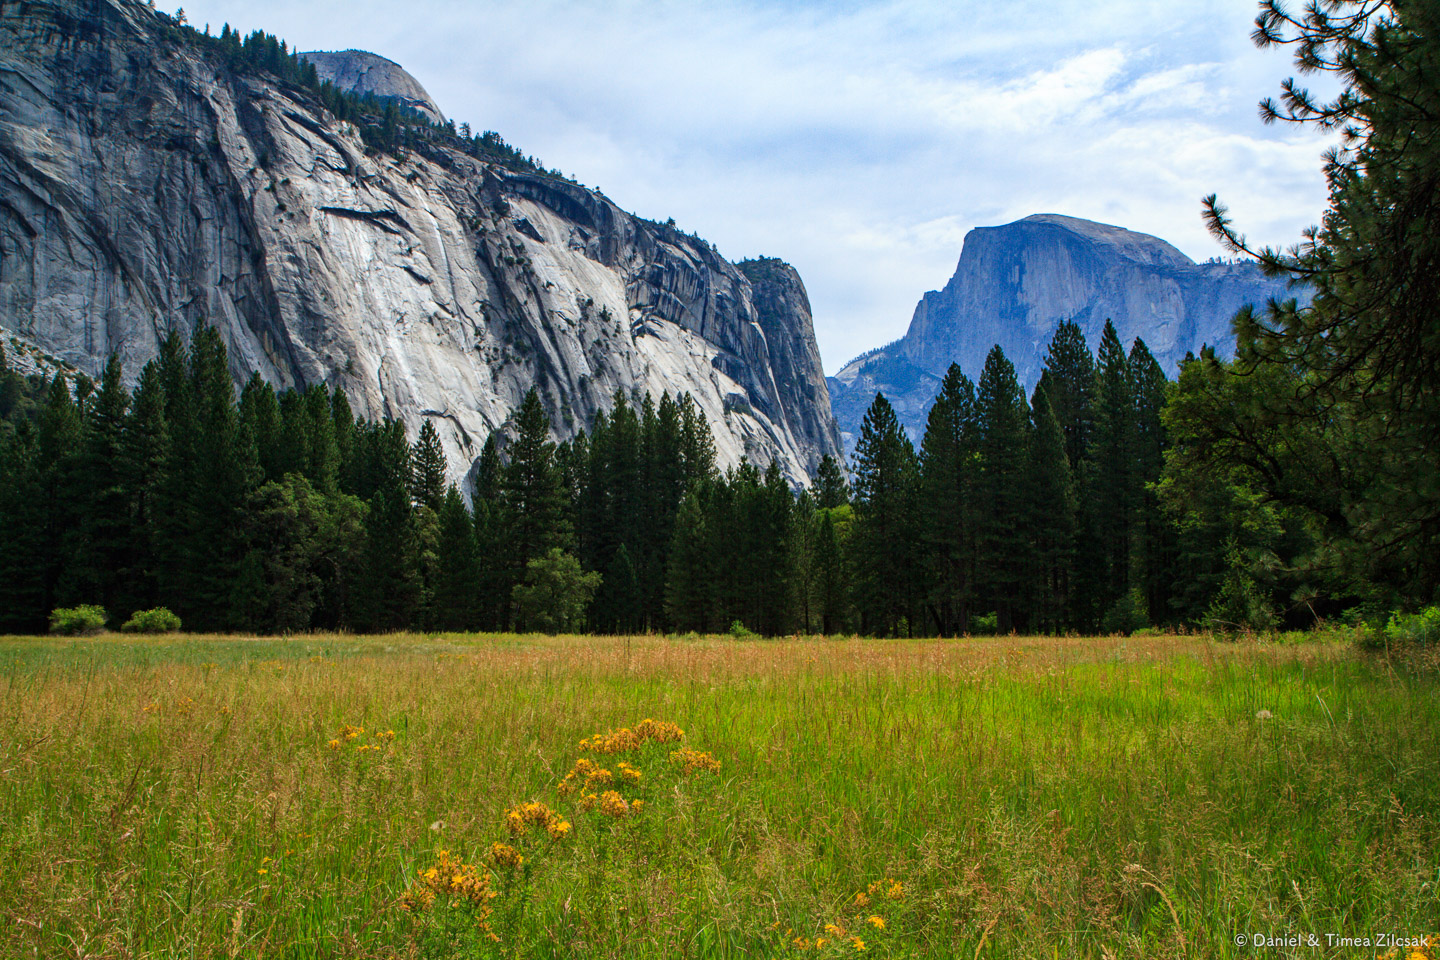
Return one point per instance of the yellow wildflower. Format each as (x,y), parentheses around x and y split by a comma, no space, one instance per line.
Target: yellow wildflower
(692,760)
(505,856)
(877,922)
(618,741)
(835,930)
(262,871)
(613,805)
(861,900)
(522,817)
(333,744)
(801,943)
(637,805)
(558,830)
(857,943)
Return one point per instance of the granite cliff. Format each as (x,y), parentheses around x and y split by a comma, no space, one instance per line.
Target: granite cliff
(146,186)
(1016,283)
(365,72)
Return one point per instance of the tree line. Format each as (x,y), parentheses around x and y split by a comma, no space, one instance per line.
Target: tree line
(277,512)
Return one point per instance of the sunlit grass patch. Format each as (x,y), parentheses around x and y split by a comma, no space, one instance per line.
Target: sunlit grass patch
(1126,797)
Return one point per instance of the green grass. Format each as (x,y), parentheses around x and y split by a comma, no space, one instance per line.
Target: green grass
(1032,797)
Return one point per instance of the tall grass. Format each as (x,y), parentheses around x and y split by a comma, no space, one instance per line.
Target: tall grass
(1116,798)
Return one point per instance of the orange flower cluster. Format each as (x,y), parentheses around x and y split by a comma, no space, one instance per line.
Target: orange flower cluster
(505,857)
(619,741)
(585,775)
(888,888)
(349,733)
(521,818)
(692,760)
(614,805)
(457,881)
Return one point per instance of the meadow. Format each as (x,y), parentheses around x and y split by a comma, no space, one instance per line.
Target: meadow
(457,796)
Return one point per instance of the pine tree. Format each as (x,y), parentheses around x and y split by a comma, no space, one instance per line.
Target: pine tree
(323,458)
(948,461)
(831,490)
(223,468)
(428,468)
(108,534)
(1113,492)
(1361,359)
(1002,545)
(23,593)
(1050,517)
(1069,382)
(346,460)
(389,593)
(883,537)
(689,576)
(665,486)
(292,452)
(697,446)
(144,462)
(615,514)
(459,574)
(62,433)
(1154,540)
(260,414)
(532,491)
(492,599)
(833,582)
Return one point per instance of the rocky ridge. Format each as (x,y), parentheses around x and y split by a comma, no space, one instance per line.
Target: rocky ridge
(145,187)
(366,72)
(1014,285)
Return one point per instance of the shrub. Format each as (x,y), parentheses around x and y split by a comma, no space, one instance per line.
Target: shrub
(1417,628)
(75,621)
(738,631)
(159,620)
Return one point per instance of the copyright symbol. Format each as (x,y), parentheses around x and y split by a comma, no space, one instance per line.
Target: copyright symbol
(1239,939)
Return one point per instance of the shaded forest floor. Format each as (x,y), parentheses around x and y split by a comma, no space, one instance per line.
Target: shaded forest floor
(1006,797)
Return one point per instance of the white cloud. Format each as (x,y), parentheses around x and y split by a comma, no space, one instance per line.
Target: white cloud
(859,140)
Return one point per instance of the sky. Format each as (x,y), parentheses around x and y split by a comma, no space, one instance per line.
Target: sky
(859,141)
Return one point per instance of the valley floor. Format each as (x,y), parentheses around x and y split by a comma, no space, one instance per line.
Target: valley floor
(338,796)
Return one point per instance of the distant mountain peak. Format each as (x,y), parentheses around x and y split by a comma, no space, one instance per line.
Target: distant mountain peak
(1140,247)
(1013,286)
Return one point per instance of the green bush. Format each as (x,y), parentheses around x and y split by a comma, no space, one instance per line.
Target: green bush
(985,624)
(739,631)
(1419,628)
(159,620)
(74,621)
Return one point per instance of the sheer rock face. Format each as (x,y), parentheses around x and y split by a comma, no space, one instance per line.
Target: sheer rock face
(1016,283)
(365,72)
(145,187)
